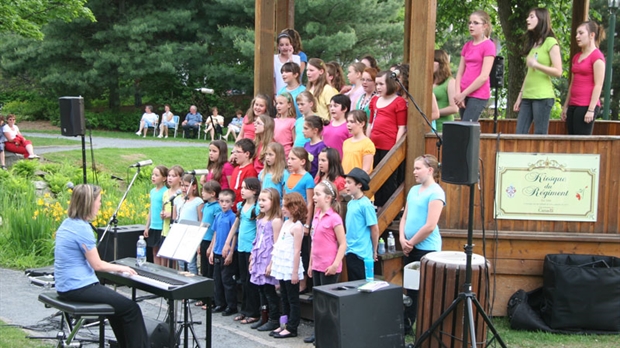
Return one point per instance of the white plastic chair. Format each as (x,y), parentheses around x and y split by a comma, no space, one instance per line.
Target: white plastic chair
(176,119)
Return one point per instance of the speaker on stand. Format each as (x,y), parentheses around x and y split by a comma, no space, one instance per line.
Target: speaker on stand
(461,149)
(497,81)
(72,123)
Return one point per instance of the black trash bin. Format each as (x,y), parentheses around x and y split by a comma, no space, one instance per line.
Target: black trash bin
(581,292)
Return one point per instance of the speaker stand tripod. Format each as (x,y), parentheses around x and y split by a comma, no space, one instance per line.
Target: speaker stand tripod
(466,296)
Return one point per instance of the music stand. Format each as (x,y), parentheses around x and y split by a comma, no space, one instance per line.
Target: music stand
(181,243)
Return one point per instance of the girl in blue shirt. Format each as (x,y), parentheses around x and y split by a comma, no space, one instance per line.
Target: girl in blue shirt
(274,175)
(418,231)
(154,222)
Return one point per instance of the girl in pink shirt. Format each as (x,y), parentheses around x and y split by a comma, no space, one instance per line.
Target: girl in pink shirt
(218,165)
(336,132)
(285,122)
(473,87)
(587,76)
(328,239)
(260,105)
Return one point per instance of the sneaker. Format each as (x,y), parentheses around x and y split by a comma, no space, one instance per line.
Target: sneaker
(138,133)
(3,167)
(160,136)
(144,136)
(166,137)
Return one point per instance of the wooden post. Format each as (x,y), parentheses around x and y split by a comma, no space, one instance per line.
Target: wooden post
(285,15)
(580,14)
(421,53)
(407,35)
(264,28)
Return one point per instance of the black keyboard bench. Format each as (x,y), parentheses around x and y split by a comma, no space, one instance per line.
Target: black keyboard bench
(77,310)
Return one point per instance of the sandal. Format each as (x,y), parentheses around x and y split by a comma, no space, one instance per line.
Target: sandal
(239,317)
(249,320)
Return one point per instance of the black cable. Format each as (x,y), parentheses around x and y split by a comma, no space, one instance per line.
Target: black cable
(495,230)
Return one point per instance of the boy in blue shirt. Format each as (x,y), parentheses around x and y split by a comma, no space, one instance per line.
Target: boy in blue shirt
(210,192)
(361,225)
(223,265)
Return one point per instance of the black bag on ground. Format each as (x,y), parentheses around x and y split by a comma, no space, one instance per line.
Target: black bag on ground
(581,292)
(522,314)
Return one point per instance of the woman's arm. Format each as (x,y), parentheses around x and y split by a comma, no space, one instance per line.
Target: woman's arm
(310,205)
(342,247)
(457,82)
(555,70)
(92,256)
(517,105)
(404,243)
(298,236)
(568,93)
(401,131)
(451,108)
(599,77)
(435,108)
(434,211)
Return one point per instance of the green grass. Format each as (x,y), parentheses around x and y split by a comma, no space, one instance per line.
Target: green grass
(13,337)
(116,160)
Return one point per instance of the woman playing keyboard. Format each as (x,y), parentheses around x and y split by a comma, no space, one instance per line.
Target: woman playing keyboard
(77,259)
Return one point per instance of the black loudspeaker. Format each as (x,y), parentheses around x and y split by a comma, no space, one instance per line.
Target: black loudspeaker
(460,152)
(346,317)
(72,121)
(126,242)
(497,73)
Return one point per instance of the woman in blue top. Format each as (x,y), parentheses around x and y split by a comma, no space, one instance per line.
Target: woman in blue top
(419,234)
(77,259)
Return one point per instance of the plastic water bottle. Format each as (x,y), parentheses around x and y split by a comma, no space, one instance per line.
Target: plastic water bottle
(141,251)
(381,248)
(391,243)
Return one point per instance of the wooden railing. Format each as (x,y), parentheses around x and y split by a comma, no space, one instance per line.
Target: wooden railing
(380,174)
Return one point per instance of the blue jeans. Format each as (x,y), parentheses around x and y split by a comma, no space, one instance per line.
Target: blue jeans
(473,109)
(536,110)
(192,267)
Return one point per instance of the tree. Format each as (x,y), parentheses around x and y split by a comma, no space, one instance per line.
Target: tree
(27,17)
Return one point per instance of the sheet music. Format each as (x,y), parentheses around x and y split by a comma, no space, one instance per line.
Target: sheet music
(182,241)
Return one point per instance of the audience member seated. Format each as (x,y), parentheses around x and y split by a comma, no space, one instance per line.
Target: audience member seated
(149,120)
(167,121)
(2,140)
(235,125)
(214,123)
(192,122)
(15,141)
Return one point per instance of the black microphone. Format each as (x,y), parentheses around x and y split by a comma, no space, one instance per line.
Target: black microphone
(179,192)
(141,164)
(395,74)
(198,172)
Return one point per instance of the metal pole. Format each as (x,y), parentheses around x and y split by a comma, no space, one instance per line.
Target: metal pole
(609,62)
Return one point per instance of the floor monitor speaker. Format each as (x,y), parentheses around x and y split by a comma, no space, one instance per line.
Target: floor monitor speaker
(347,317)
(460,152)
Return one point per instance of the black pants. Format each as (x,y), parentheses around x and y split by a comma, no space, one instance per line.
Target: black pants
(127,322)
(411,312)
(268,292)
(319,278)
(191,131)
(206,269)
(575,123)
(356,270)
(250,306)
(389,186)
(305,257)
(225,290)
(290,304)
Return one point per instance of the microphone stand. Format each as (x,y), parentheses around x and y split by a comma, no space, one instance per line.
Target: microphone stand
(114,220)
(428,122)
